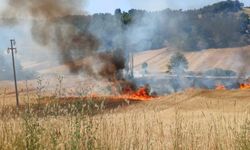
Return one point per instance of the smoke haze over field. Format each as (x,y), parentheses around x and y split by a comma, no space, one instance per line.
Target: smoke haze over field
(48,31)
(61,25)
(88,44)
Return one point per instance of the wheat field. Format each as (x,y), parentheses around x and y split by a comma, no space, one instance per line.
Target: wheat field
(194,119)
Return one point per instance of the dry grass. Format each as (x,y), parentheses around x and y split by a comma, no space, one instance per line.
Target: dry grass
(247,11)
(195,119)
(235,59)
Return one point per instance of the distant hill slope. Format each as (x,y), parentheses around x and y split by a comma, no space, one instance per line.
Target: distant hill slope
(247,10)
(236,59)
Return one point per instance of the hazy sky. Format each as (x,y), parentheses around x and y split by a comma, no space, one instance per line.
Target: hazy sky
(96,6)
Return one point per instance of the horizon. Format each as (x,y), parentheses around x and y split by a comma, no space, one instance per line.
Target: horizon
(109,6)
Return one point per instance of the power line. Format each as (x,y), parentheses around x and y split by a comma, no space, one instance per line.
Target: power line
(151,58)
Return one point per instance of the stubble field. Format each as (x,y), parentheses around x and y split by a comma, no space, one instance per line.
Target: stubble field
(194,119)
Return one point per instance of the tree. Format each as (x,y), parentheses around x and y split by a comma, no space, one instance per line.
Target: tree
(126,18)
(219,25)
(178,64)
(118,12)
(144,68)
(219,72)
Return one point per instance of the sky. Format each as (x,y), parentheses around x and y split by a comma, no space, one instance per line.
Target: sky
(103,6)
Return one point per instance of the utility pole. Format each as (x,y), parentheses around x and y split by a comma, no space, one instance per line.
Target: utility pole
(131,63)
(12,50)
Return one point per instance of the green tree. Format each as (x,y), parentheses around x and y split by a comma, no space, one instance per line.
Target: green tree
(118,12)
(178,64)
(126,18)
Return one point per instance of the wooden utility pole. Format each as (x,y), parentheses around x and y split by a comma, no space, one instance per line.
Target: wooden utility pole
(132,64)
(12,50)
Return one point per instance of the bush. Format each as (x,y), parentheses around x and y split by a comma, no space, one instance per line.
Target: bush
(178,64)
(220,72)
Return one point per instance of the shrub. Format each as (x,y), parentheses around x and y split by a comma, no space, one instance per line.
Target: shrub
(220,72)
(178,64)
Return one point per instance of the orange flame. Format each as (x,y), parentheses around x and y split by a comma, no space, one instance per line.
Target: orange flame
(142,94)
(245,86)
(220,87)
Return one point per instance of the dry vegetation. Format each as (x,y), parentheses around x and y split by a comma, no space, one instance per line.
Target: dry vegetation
(235,59)
(195,119)
(247,10)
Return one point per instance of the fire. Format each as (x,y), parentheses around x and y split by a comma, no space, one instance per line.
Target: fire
(220,87)
(245,86)
(142,94)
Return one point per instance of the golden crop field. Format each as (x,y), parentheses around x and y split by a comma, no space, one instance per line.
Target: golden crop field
(195,119)
(124,75)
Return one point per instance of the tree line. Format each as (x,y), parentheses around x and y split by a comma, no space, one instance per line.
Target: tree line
(220,25)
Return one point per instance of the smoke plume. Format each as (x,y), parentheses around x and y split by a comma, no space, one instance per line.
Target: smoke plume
(45,9)
(52,28)
(108,65)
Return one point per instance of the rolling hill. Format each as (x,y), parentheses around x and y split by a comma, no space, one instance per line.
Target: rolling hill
(236,59)
(247,10)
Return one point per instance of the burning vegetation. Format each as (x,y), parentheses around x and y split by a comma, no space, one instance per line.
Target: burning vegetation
(245,86)
(70,120)
(83,46)
(141,94)
(220,87)
(54,26)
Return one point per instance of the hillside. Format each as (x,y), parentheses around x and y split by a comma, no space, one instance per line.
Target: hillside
(236,59)
(189,29)
(247,10)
